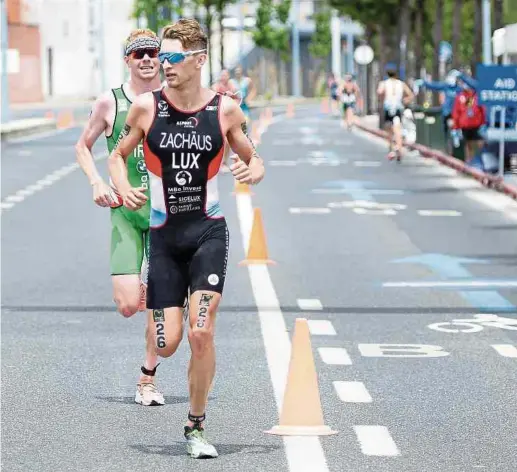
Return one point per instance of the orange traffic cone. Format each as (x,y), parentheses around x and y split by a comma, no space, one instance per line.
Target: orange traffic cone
(241,188)
(255,134)
(301,409)
(65,119)
(257,249)
(290,110)
(324,106)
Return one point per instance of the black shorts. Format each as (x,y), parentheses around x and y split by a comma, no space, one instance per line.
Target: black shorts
(193,255)
(388,118)
(471,134)
(346,106)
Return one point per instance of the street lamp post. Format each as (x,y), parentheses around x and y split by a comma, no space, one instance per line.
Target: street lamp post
(6,112)
(487,33)
(296,49)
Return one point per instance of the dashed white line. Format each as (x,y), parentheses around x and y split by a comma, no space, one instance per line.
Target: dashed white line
(352,392)
(376,441)
(334,355)
(367,164)
(506,350)
(454,284)
(321,328)
(309,304)
(367,211)
(282,163)
(439,213)
(310,211)
(47,181)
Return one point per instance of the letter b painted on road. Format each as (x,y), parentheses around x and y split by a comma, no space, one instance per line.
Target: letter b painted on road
(401,350)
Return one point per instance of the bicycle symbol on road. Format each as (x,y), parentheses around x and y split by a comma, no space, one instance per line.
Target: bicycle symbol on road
(476,324)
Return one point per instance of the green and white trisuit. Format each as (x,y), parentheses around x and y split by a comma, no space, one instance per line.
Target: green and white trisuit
(129,229)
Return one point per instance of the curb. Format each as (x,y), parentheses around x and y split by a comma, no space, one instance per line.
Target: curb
(21,128)
(490,181)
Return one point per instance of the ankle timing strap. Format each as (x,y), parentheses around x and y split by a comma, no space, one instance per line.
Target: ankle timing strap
(196,419)
(150,373)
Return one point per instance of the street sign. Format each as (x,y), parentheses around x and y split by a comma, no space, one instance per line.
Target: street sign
(363,55)
(497,85)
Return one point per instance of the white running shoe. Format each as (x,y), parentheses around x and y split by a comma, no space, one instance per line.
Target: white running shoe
(148,395)
(198,446)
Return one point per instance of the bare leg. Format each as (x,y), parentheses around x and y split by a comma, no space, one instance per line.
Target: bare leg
(201,371)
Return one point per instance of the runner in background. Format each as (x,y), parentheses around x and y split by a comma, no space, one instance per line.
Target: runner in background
(350,95)
(129,229)
(224,86)
(246,88)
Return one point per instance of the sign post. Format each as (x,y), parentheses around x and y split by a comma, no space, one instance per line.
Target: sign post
(497,87)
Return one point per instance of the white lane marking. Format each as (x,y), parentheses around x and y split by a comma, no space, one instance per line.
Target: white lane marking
(282,163)
(455,284)
(335,355)
(352,392)
(311,211)
(439,213)
(376,441)
(367,204)
(330,191)
(304,454)
(401,350)
(46,181)
(506,350)
(42,135)
(471,188)
(321,328)
(309,304)
(367,164)
(366,211)
(24,152)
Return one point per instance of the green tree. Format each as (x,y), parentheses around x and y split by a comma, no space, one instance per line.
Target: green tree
(271,31)
(321,42)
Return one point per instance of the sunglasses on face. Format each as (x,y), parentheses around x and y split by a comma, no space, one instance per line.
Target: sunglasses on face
(140,53)
(176,57)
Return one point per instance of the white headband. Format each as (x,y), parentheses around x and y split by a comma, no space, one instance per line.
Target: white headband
(144,42)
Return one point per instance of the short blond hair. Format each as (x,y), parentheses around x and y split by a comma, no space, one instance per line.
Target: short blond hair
(140,33)
(188,32)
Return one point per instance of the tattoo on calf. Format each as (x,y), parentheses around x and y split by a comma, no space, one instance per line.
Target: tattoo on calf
(159,319)
(204,303)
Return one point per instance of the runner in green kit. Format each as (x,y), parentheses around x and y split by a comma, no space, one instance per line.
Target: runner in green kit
(130,229)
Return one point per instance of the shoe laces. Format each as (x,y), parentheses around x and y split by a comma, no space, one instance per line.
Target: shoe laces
(150,387)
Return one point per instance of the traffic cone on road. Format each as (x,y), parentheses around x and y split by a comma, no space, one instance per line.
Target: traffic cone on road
(241,188)
(290,110)
(301,413)
(324,106)
(257,249)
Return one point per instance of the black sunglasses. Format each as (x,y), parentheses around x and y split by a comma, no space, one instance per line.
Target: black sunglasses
(140,53)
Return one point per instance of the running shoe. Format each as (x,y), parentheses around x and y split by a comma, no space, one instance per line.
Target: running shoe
(198,446)
(148,395)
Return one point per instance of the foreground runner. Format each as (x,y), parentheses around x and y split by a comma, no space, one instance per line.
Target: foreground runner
(130,230)
(184,127)
(395,95)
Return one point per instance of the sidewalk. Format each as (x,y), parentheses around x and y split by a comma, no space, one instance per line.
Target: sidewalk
(507,185)
(33,118)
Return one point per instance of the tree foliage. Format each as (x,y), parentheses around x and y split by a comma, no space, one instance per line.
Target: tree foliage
(271,29)
(321,41)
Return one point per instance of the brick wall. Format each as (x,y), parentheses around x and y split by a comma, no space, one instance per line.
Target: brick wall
(25,86)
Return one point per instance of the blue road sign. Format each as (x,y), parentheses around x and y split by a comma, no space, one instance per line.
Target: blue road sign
(497,85)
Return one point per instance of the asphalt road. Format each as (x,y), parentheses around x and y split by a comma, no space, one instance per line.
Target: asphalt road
(373,253)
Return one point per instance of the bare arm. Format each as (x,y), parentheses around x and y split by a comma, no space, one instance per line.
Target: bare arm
(409,94)
(129,138)
(252,91)
(250,168)
(96,125)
